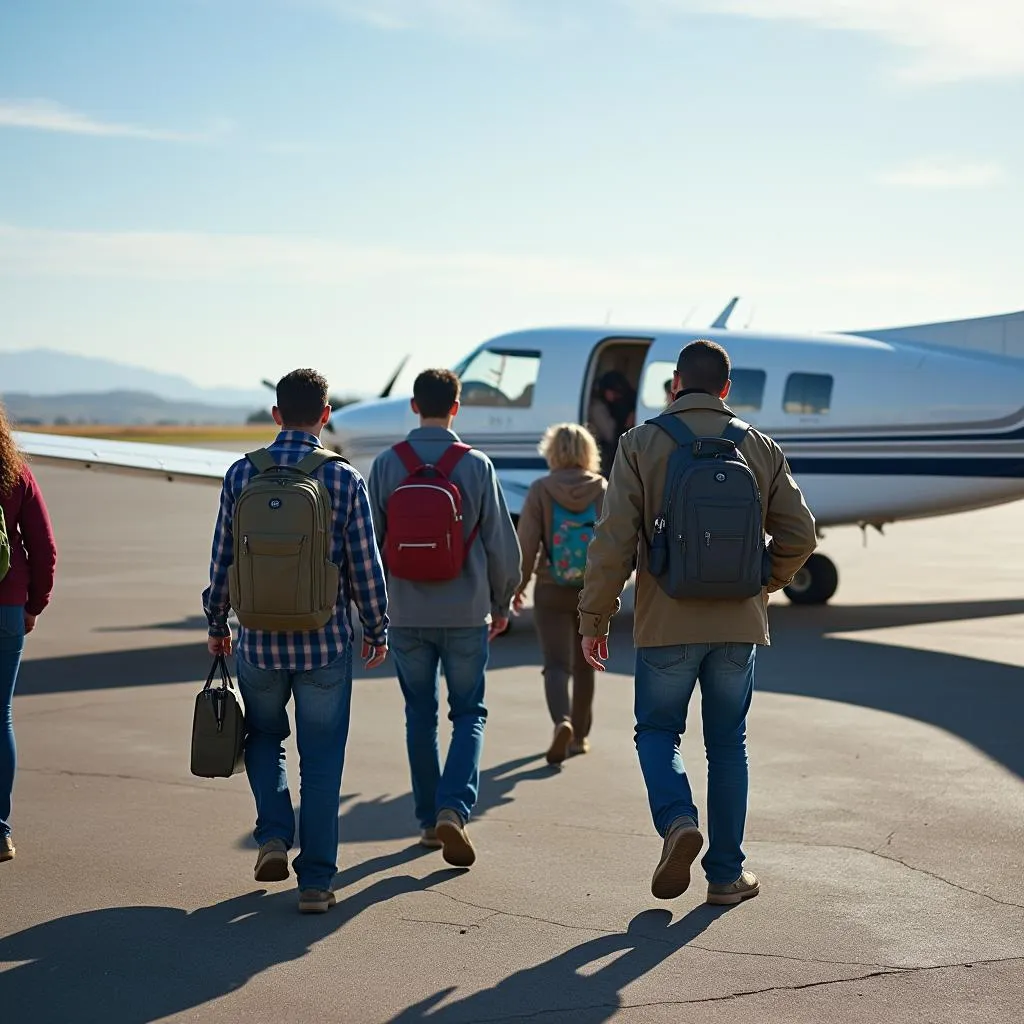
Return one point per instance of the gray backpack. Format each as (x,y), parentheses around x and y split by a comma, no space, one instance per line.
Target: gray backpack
(282,578)
(708,541)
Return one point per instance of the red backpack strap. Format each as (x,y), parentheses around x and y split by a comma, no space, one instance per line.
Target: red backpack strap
(447,463)
(407,454)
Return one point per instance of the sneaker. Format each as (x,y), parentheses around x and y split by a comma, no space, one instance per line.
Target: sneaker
(428,838)
(578,747)
(560,743)
(6,848)
(272,861)
(672,875)
(744,888)
(316,901)
(457,848)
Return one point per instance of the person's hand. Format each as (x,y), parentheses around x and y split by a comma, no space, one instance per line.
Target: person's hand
(374,656)
(30,623)
(517,604)
(218,645)
(595,650)
(498,626)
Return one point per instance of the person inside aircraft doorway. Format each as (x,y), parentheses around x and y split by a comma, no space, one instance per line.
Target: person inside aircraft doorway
(612,412)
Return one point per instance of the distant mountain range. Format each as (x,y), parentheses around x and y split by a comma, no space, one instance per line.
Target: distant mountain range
(43,371)
(42,385)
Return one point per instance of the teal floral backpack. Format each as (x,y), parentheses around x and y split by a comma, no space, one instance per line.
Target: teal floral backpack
(571,533)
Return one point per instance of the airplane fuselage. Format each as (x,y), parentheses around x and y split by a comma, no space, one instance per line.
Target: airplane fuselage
(875,431)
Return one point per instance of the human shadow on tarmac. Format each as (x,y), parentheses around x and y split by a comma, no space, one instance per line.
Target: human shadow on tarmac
(980,701)
(133,965)
(383,819)
(557,990)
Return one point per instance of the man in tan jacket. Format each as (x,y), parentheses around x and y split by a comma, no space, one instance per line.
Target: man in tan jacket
(679,641)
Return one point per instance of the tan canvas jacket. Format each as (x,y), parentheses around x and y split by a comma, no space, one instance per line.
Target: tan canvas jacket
(633,502)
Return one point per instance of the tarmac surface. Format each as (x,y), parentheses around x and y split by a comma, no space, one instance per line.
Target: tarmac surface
(886,819)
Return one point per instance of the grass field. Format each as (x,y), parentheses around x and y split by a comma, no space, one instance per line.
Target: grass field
(184,435)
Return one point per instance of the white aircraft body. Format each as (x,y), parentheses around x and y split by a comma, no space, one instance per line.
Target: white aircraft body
(878,426)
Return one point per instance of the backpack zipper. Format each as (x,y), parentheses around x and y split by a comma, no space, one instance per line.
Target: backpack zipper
(434,487)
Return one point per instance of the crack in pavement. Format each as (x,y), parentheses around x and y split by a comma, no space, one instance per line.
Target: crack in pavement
(668,942)
(894,860)
(802,842)
(750,992)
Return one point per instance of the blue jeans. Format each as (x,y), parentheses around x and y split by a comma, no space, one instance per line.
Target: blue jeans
(665,678)
(463,653)
(12,643)
(323,702)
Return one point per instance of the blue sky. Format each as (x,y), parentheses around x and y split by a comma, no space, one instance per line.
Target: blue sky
(229,188)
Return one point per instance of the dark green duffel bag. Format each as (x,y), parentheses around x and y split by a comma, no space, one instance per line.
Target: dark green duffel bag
(218,727)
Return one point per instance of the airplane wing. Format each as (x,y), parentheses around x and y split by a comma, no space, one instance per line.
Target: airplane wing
(195,465)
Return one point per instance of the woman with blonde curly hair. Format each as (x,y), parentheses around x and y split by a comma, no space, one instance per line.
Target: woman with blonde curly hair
(28,558)
(555,527)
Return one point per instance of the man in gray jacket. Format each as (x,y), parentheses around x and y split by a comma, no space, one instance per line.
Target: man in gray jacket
(447,623)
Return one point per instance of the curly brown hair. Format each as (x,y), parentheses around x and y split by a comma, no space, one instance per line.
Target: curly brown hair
(11,460)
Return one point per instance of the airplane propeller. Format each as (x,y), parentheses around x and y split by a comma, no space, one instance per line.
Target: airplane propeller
(338,402)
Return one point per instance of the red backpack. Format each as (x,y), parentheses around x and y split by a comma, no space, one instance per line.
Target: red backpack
(424,540)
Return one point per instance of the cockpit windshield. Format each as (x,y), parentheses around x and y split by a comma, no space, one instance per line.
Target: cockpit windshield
(499,377)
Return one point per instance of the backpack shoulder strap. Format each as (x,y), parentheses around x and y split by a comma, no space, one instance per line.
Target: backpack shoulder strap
(675,428)
(407,454)
(736,431)
(455,451)
(310,463)
(262,460)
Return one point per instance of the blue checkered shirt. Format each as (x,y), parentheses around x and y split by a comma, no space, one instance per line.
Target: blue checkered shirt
(353,549)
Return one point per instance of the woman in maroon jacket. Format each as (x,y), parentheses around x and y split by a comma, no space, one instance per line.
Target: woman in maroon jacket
(24,592)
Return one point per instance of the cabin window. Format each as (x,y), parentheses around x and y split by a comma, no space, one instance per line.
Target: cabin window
(500,377)
(808,394)
(746,394)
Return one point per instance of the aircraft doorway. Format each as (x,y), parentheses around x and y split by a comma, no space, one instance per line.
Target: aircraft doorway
(609,399)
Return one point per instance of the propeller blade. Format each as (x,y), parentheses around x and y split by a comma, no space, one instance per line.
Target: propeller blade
(391,383)
(269,384)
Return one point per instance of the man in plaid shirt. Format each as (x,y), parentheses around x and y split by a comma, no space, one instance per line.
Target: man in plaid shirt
(315,666)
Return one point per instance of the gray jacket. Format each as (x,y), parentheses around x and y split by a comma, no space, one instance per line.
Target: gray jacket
(493,562)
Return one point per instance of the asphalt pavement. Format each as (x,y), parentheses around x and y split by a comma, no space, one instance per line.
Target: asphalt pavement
(886,819)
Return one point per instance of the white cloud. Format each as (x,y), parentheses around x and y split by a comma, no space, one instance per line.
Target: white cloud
(277,260)
(44,115)
(948,39)
(951,39)
(943,173)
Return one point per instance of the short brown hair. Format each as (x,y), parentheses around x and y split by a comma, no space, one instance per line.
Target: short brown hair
(705,366)
(435,392)
(301,397)
(570,446)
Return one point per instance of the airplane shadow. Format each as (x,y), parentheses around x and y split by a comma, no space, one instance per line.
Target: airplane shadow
(134,965)
(558,990)
(980,701)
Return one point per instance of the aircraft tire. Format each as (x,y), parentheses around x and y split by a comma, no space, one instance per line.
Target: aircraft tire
(815,583)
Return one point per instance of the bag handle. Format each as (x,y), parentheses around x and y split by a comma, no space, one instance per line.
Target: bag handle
(219,694)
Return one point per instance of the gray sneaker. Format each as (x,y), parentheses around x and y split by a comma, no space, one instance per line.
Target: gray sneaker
(744,888)
(272,861)
(682,844)
(457,848)
(316,901)
(6,848)
(428,838)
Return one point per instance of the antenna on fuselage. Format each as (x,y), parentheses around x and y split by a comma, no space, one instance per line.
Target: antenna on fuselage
(723,318)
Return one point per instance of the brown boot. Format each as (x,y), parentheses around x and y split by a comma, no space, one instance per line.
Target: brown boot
(457,849)
(559,748)
(682,844)
(6,848)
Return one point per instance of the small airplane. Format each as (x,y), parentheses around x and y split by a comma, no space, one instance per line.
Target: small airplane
(879,425)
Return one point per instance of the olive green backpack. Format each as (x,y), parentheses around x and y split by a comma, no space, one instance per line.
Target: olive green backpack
(5,547)
(282,578)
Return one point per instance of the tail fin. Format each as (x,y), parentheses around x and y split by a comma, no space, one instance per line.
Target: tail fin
(994,335)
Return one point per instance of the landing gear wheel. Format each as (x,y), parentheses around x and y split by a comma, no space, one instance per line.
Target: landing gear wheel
(815,583)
